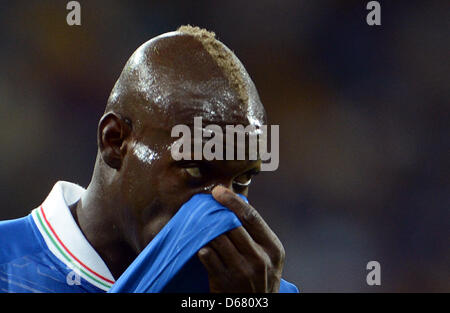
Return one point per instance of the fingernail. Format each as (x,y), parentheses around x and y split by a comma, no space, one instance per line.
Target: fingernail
(218,190)
(203,251)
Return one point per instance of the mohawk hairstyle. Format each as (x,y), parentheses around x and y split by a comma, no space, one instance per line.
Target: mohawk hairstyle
(223,57)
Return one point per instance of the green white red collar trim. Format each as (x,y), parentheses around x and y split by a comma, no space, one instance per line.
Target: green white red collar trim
(64,238)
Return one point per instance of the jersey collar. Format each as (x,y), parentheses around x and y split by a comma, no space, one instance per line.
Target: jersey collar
(65,239)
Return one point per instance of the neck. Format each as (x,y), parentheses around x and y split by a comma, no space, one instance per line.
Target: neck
(96,216)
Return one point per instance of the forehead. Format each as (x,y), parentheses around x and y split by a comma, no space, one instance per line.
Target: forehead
(215,108)
(177,79)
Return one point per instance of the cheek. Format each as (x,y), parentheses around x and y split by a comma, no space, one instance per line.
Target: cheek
(151,189)
(159,205)
(142,186)
(137,182)
(145,155)
(154,193)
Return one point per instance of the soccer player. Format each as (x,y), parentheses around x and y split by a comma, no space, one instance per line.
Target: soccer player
(83,240)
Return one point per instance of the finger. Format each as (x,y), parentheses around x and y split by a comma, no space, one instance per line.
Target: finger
(211,260)
(244,242)
(228,252)
(255,271)
(250,218)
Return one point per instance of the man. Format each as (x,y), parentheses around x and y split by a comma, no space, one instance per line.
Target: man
(83,240)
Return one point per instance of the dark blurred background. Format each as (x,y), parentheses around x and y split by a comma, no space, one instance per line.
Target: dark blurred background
(363,114)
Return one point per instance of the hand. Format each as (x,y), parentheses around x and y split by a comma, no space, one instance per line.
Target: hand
(246,259)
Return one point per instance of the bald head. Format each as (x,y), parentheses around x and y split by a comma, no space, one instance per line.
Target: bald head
(182,74)
(137,185)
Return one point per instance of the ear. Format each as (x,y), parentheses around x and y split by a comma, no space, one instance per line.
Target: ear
(113,132)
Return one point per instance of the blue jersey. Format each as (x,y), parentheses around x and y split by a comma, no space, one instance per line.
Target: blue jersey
(169,263)
(47,252)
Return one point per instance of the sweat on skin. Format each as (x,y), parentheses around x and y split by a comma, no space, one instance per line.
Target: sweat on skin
(137,186)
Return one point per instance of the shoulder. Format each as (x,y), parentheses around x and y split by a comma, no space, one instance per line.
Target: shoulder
(18,238)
